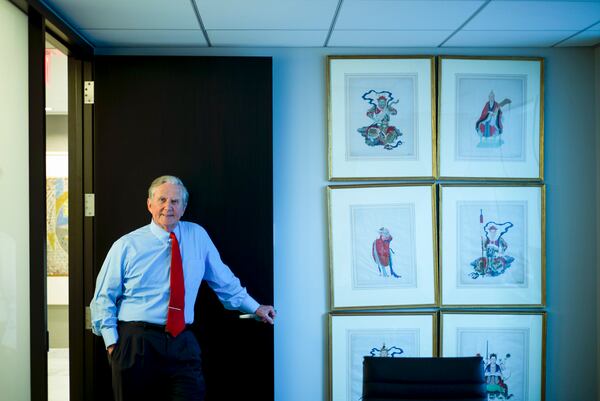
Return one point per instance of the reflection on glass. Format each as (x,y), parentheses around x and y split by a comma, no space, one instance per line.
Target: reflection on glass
(15,371)
(8,296)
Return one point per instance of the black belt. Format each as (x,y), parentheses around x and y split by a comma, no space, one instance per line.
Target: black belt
(149,326)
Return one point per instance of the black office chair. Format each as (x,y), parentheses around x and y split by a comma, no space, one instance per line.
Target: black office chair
(423,379)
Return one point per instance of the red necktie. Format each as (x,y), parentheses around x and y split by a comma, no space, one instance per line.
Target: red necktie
(176,315)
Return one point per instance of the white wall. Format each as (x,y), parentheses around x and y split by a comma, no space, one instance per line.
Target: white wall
(14,204)
(300,214)
(56,82)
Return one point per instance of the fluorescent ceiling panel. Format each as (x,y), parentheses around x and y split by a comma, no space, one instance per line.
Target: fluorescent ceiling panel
(267,38)
(145,38)
(267,14)
(388,38)
(422,15)
(489,39)
(536,15)
(127,14)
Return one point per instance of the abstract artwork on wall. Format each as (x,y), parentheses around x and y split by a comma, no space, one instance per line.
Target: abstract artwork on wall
(57,226)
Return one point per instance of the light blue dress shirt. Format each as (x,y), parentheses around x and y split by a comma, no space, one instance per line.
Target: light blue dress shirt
(133,284)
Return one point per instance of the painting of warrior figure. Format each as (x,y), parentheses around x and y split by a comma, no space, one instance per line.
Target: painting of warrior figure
(491,114)
(355,336)
(511,346)
(380,115)
(382,241)
(383,117)
(492,245)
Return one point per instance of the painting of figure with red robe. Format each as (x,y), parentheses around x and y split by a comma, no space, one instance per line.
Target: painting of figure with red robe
(384,246)
(382,253)
(491,118)
(489,126)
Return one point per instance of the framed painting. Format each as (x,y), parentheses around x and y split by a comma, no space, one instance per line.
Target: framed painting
(491,118)
(57,226)
(382,246)
(492,245)
(392,335)
(512,347)
(381,117)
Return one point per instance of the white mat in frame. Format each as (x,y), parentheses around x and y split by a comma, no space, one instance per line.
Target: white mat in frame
(492,249)
(382,246)
(511,344)
(354,336)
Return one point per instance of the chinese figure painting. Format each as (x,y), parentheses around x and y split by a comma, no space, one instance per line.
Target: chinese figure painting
(511,346)
(491,118)
(492,245)
(381,114)
(381,117)
(380,258)
(382,246)
(489,128)
(355,336)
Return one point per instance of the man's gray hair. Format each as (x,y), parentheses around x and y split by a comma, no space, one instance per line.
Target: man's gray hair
(171,179)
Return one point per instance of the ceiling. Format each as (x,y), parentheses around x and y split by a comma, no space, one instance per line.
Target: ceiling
(333,23)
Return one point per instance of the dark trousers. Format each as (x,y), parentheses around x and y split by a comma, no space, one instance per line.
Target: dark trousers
(149,364)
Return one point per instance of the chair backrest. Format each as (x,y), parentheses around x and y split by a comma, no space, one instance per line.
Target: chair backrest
(422,379)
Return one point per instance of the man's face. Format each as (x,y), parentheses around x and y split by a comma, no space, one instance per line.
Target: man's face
(166,206)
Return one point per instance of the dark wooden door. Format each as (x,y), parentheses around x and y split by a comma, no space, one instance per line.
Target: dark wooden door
(207,120)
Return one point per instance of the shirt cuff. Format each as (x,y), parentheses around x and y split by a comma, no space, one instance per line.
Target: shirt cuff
(110,336)
(249,305)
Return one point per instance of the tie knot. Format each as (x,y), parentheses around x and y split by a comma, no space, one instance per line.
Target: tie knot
(172,236)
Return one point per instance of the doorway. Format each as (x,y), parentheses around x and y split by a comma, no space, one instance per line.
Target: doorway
(57,218)
(207,120)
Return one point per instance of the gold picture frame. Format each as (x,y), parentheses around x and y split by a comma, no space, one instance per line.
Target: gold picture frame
(383,246)
(352,336)
(512,344)
(381,117)
(491,118)
(492,245)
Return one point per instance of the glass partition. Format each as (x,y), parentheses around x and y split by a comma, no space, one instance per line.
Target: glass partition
(14,203)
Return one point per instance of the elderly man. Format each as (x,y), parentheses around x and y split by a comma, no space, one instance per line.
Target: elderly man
(145,295)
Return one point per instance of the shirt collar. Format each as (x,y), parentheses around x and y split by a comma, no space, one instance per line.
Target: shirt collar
(163,235)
